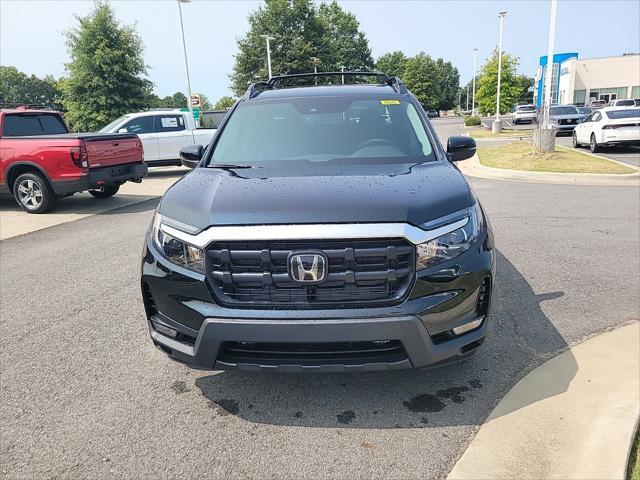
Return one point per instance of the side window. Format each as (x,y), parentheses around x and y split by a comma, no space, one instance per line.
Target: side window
(596,117)
(169,123)
(588,118)
(139,125)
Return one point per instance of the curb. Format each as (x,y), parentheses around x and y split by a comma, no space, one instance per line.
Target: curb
(473,168)
(573,417)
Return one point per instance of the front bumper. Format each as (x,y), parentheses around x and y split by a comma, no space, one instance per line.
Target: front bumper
(102,177)
(416,333)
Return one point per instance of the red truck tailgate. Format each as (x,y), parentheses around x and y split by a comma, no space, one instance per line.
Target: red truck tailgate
(110,150)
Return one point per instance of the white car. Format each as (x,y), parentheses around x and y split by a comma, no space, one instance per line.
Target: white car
(525,113)
(622,102)
(607,127)
(163,134)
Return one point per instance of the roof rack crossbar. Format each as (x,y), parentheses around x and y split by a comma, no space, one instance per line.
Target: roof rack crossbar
(255,88)
(274,80)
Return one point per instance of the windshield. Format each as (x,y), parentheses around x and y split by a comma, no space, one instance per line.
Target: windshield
(107,128)
(563,111)
(321,129)
(627,113)
(625,103)
(584,110)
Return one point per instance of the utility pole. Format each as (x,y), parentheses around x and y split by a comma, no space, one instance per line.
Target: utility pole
(184,49)
(268,38)
(467,109)
(473,102)
(342,70)
(548,74)
(497,123)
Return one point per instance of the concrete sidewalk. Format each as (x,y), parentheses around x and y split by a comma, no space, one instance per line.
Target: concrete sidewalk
(584,432)
(14,221)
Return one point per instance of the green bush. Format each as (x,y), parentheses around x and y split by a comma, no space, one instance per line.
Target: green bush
(472,121)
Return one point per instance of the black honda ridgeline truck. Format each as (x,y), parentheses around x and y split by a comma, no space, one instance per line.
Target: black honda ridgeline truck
(324,228)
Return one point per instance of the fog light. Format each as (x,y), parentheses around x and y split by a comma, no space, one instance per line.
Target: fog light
(467,327)
(163,329)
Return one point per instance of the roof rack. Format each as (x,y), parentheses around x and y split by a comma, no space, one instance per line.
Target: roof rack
(255,88)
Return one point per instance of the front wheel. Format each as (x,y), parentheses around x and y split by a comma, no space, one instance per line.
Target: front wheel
(574,140)
(593,145)
(105,192)
(33,193)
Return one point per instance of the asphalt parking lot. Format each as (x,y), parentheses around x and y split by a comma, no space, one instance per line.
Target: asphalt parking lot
(86,395)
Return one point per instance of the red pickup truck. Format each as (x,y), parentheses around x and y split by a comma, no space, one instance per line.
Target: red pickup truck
(40,161)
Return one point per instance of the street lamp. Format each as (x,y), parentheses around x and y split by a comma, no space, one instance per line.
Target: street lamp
(315,61)
(184,49)
(497,123)
(549,72)
(268,38)
(473,102)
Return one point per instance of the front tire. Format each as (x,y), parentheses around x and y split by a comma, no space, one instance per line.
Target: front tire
(593,145)
(105,192)
(33,193)
(574,141)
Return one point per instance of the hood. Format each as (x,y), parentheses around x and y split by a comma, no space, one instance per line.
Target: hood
(326,193)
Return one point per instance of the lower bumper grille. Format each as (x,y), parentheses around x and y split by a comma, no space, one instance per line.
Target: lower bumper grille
(359,272)
(311,354)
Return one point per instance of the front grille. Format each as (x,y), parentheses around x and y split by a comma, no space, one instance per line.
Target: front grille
(310,354)
(567,121)
(360,272)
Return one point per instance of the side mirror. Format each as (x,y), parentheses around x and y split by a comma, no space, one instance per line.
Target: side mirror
(460,148)
(191,155)
(123,130)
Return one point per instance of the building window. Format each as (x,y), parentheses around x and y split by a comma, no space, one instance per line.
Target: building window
(635,92)
(554,82)
(579,97)
(608,94)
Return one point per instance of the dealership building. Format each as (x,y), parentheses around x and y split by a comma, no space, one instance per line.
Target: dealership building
(579,81)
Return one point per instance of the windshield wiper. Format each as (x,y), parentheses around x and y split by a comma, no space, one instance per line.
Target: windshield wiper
(229,165)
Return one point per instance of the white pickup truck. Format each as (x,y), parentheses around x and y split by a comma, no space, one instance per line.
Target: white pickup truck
(163,133)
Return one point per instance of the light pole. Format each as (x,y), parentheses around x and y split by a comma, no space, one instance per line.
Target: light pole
(342,67)
(184,49)
(315,61)
(268,38)
(473,102)
(467,109)
(549,72)
(497,123)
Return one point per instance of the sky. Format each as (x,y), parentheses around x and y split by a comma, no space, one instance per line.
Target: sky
(31,33)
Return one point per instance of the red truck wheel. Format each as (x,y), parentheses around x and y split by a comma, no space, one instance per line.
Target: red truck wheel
(33,193)
(105,192)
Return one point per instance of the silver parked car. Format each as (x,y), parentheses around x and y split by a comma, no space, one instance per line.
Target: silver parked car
(525,113)
(565,117)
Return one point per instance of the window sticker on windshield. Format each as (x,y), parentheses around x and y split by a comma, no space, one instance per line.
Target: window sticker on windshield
(169,122)
(390,102)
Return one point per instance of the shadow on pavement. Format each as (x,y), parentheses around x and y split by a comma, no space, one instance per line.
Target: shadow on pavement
(520,338)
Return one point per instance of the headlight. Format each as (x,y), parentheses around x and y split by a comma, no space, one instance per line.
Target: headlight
(451,244)
(177,251)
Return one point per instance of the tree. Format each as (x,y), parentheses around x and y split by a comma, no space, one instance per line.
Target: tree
(525,87)
(421,77)
(487,84)
(392,64)
(347,46)
(224,103)
(302,31)
(106,71)
(18,88)
(299,36)
(448,83)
